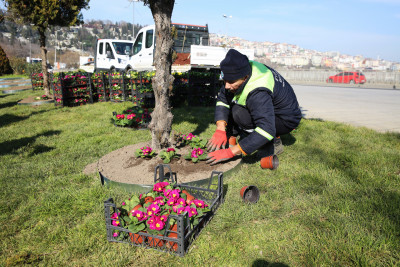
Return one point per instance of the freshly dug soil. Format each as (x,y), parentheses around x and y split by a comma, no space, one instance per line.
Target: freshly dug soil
(31,100)
(122,166)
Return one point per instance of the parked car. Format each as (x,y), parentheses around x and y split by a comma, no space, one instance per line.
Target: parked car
(347,77)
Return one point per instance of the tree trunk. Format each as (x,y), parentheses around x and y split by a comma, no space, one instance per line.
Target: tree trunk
(161,117)
(42,40)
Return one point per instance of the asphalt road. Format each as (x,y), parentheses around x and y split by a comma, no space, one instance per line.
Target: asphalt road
(377,109)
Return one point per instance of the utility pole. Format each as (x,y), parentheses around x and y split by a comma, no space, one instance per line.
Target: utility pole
(30,49)
(133,17)
(226,36)
(55,51)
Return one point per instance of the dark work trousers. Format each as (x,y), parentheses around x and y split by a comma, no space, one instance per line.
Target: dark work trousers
(240,120)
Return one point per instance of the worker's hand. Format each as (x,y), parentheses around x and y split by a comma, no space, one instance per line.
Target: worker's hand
(217,140)
(219,156)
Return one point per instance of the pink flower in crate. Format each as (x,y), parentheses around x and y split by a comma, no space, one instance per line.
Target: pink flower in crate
(191,211)
(159,187)
(139,214)
(199,203)
(181,201)
(115,215)
(153,209)
(171,202)
(159,201)
(180,210)
(174,194)
(167,192)
(164,218)
(158,225)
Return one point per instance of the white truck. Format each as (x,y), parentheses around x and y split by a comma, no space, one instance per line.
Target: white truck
(191,44)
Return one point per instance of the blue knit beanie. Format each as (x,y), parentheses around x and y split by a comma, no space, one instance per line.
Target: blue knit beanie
(234,66)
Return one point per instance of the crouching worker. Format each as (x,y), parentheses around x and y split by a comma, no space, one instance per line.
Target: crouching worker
(255,103)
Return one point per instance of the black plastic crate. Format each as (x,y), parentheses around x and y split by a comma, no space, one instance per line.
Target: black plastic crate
(175,241)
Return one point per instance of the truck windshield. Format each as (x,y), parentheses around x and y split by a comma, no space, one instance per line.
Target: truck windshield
(122,48)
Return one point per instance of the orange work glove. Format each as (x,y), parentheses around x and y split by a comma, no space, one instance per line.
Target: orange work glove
(217,140)
(219,156)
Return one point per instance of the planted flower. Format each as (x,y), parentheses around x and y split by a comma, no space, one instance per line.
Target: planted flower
(196,155)
(145,152)
(132,117)
(43,97)
(193,141)
(197,142)
(168,155)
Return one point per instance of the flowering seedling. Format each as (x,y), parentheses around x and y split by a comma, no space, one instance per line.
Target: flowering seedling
(168,155)
(196,155)
(193,141)
(43,97)
(132,117)
(197,142)
(145,152)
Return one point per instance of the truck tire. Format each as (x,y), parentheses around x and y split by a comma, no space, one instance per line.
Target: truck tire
(128,68)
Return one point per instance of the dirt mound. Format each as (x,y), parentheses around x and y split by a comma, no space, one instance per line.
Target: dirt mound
(122,166)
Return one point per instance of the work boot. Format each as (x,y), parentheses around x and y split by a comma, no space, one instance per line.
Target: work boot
(232,141)
(270,162)
(278,146)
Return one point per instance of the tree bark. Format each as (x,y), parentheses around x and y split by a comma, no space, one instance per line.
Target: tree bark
(161,117)
(42,40)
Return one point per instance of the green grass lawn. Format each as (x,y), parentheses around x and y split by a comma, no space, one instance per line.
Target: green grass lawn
(334,200)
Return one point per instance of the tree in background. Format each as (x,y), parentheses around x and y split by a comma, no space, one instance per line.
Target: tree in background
(43,14)
(5,67)
(161,117)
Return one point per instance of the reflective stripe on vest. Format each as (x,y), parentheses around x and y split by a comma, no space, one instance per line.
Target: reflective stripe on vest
(261,76)
(220,103)
(264,133)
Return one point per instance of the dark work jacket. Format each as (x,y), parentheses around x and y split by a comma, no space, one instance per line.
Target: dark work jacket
(263,104)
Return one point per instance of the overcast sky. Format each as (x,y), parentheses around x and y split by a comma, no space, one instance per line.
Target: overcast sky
(355,27)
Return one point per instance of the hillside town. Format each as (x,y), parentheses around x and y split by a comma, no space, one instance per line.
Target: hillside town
(293,56)
(82,39)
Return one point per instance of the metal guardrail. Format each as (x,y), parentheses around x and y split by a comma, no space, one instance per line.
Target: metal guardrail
(372,77)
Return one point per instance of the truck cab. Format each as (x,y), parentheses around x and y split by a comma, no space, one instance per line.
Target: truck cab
(113,54)
(191,46)
(144,48)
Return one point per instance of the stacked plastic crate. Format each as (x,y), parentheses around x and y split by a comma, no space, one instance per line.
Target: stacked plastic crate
(180,89)
(37,81)
(55,81)
(145,89)
(101,90)
(77,90)
(118,90)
